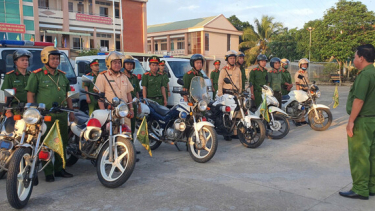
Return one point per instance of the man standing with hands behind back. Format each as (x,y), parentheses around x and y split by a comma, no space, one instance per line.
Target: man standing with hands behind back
(361,125)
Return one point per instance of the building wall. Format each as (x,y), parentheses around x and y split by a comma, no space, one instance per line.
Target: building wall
(218,44)
(133,30)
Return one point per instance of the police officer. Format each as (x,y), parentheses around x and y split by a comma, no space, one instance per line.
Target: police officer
(258,78)
(303,64)
(361,125)
(89,87)
(275,78)
(230,71)
(287,79)
(215,77)
(241,65)
(48,85)
(18,77)
(164,72)
(114,83)
(196,62)
(153,83)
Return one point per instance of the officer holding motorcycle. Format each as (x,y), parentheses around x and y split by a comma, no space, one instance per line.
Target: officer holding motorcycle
(287,79)
(214,76)
(303,64)
(258,78)
(166,77)
(89,87)
(196,62)
(230,71)
(153,83)
(275,79)
(17,78)
(48,85)
(241,65)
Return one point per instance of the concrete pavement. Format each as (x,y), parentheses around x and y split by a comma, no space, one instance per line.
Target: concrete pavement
(303,171)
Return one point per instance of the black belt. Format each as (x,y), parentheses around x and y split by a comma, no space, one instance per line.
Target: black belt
(155,98)
(366,115)
(228,91)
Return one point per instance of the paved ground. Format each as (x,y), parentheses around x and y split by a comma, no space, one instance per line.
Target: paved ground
(304,171)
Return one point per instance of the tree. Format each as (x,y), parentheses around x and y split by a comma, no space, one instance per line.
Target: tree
(284,45)
(302,37)
(257,38)
(240,26)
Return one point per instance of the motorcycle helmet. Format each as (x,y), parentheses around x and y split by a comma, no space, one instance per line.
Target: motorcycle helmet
(273,60)
(284,61)
(229,54)
(20,53)
(49,50)
(196,57)
(114,55)
(303,61)
(128,59)
(262,57)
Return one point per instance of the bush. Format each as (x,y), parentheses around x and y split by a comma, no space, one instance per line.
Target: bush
(89,52)
(330,68)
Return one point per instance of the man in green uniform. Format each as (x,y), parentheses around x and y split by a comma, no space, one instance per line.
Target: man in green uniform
(287,78)
(214,76)
(275,79)
(153,83)
(166,77)
(48,85)
(361,125)
(196,62)
(17,78)
(89,87)
(258,77)
(241,65)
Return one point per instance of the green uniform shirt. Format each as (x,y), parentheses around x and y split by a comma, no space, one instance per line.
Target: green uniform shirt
(165,78)
(363,88)
(90,87)
(135,83)
(153,83)
(243,75)
(215,78)
(275,80)
(258,77)
(45,89)
(14,79)
(189,76)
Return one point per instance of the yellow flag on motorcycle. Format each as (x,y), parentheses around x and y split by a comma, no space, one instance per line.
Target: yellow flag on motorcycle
(53,141)
(142,136)
(336,98)
(264,109)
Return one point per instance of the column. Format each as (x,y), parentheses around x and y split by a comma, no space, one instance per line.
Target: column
(93,7)
(186,44)
(65,28)
(152,45)
(168,43)
(203,41)
(95,41)
(36,21)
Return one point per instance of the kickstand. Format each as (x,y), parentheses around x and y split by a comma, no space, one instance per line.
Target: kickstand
(177,147)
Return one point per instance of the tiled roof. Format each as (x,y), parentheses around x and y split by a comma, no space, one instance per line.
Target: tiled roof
(198,22)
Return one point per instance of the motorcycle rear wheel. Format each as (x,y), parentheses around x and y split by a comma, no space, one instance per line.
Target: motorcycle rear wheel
(71,159)
(252,137)
(115,174)
(18,193)
(314,121)
(209,149)
(284,129)
(154,144)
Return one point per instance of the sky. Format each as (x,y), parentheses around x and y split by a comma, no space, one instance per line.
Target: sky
(292,13)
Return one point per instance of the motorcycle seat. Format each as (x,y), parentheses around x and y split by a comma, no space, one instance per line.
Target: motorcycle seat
(285,97)
(81,119)
(162,110)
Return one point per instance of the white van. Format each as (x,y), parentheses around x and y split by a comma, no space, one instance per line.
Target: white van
(82,67)
(176,68)
(7,47)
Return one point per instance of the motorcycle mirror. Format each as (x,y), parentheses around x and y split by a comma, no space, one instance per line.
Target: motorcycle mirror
(73,94)
(226,80)
(115,101)
(9,92)
(180,81)
(300,76)
(313,82)
(87,79)
(135,100)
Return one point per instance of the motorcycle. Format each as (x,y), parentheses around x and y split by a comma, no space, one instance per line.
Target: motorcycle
(8,139)
(231,112)
(184,122)
(30,151)
(104,139)
(278,126)
(298,104)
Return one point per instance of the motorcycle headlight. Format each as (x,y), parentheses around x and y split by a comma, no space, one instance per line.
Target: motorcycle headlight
(318,93)
(272,101)
(202,105)
(122,110)
(31,116)
(247,103)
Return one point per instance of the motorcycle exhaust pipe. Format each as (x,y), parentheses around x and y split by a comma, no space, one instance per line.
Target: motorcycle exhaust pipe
(152,135)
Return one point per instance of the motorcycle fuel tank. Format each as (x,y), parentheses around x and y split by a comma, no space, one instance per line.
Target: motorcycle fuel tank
(299,95)
(101,115)
(227,100)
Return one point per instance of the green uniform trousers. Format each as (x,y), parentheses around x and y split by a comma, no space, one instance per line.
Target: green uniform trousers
(93,106)
(63,125)
(159,100)
(361,149)
(258,97)
(134,120)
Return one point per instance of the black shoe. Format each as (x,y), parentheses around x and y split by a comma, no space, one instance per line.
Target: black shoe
(372,194)
(137,152)
(63,173)
(351,194)
(235,136)
(227,138)
(50,178)
(303,123)
(298,124)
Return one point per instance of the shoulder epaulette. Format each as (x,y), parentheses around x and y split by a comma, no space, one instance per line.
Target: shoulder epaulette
(147,73)
(161,73)
(135,75)
(61,71)
(255,69)
(189,72)
(103,72)
(89,74)
(10,72)
(37,71)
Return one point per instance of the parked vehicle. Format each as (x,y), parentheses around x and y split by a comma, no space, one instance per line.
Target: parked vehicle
(93,138)
(298,104)
(231,114)
(183,123)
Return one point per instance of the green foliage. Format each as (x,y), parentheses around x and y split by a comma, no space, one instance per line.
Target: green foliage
(240,26)
(284,45)
(330,68)
(89,52)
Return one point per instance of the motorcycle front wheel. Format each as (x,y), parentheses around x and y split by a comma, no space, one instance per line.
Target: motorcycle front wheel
(19,186)
(154,144)
(114,174)
(280,128)
(71,159)
(320,121)
(206,149)
(254,136)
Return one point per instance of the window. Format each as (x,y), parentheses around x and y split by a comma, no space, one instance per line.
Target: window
(172,46)
(77,43)
(48,38)
(156,46)
(70,5)
(117,13)
(194,42)
(228,42)
(180,43)
(118,46)
(43,4)
(29,25)
(148,45)
(206,42)
(92,45)
(109,36)
(90,9)
(104,11)
(104,43)
(81,8)
(28,11)
(163,45)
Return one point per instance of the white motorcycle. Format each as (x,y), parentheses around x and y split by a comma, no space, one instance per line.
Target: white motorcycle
(298,104)
(278,126)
